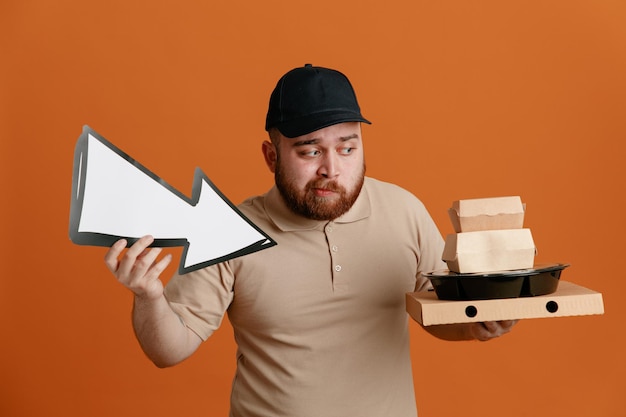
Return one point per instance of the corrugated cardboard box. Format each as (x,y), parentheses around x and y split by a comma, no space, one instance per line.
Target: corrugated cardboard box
(489,250)
(568,300)
(487,214)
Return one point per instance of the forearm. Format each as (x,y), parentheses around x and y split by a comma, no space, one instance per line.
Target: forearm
(160,332)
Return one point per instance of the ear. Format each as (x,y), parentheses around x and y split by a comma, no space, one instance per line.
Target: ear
(269,153)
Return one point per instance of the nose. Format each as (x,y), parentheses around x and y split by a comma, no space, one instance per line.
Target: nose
(329,166)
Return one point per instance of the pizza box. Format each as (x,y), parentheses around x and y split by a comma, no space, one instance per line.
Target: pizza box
(568,300)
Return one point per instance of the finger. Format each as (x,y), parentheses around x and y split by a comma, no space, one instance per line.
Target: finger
(127,264)
(493,329)
(488,330)
(149,285)
(478,331)
(491,326)
(140,246)
(159,267)
(510,323)
(111,257)
(506,325)
(143,264)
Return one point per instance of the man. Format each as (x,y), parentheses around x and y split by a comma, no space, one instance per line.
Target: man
(319,319)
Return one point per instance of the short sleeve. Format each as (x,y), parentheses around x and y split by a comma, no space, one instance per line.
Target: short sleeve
(431,245)
(202,297)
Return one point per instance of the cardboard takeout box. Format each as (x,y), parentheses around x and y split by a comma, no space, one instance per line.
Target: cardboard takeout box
(489,250)
(487,214)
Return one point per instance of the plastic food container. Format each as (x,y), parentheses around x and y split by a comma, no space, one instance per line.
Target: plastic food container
(539,280)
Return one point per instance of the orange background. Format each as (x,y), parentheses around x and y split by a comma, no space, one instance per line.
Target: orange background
(468,99)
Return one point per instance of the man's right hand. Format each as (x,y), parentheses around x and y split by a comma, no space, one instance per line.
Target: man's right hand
(160,331)
(137,268)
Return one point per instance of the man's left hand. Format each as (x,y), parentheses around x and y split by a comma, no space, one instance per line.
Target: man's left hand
(490,329)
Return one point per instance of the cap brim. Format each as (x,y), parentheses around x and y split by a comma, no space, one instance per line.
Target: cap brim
(313,122)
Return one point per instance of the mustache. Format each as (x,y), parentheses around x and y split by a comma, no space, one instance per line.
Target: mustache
(326,185)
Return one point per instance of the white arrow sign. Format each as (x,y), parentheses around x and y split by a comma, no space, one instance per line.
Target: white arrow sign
(113,197)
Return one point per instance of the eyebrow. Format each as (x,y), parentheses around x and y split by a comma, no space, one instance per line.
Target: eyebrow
(313,141)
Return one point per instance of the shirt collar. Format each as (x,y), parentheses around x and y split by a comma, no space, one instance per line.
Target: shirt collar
(287,220)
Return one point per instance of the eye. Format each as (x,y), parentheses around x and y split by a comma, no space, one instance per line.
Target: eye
(310,152)
(346,151)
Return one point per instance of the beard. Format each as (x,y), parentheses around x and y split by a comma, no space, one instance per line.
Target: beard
(307,204)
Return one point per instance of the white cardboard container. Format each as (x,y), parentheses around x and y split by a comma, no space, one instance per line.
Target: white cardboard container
(489,250)
(568,300)
(487,214)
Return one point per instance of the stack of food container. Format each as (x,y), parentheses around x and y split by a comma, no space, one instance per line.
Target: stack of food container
(489,236)
(491,254)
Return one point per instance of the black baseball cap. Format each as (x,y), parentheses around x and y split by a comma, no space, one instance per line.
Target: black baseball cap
(310,98)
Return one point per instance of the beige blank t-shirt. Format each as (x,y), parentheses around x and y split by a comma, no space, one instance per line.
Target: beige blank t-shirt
(320,320)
